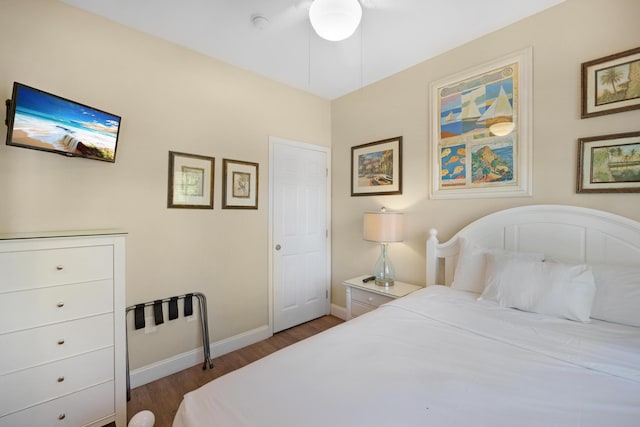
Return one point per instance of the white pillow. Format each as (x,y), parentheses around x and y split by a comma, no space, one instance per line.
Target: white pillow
(553,289)
(469,274)
(617,294)
(496,262)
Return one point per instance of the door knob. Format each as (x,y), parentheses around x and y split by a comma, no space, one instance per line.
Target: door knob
(278,247)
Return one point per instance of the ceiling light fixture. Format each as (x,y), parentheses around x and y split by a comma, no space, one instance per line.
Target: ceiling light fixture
(335,20)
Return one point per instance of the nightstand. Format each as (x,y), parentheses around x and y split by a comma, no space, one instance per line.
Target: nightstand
(364,297)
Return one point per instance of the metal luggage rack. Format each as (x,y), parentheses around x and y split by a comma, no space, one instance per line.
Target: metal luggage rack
(158,312)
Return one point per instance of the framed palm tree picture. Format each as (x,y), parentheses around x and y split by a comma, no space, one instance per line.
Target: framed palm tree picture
(611,84)
(609,164)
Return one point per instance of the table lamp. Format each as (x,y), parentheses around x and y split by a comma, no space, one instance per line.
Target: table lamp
(383,227)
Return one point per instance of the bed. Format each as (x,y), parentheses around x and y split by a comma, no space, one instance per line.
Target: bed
(530,318)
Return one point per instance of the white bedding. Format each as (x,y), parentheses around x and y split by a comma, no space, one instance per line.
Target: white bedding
(437,357)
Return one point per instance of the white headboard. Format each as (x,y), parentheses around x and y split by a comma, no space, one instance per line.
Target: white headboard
(563,233)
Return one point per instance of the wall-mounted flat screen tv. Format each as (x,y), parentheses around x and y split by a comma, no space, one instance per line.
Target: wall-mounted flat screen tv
(47,122)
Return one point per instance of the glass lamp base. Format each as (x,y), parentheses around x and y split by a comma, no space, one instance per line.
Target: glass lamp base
(383,270)
(384,282)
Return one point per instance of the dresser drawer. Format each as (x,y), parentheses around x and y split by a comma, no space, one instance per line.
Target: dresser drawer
(49,343)
(77,409)
(358,309)
(39,307)
(369,298)
(34,269)
(28,387)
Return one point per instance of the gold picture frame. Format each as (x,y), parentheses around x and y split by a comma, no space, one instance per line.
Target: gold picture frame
(239,184)
(376,168)
(190,181)
(611,84)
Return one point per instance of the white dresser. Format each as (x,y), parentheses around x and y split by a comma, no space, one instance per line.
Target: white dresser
(62,329)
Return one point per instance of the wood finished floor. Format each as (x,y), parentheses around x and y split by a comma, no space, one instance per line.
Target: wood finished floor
(163,396)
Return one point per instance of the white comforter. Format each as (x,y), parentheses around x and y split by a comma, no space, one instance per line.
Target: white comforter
(437,357)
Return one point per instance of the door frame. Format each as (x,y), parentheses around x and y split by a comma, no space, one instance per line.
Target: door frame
(273,140)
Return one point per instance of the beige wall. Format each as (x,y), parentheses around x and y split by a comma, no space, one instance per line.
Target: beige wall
(169,98)
(562,38)
(174,99)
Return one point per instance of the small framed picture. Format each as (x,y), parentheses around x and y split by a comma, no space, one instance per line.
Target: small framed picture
(239,184)
(190,181)
(376,168)
(611,84)
(609,164)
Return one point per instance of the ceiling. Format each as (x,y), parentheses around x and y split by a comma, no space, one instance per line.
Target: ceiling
(393,35)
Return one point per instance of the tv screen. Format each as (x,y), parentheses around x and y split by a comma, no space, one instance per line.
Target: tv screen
(47,122)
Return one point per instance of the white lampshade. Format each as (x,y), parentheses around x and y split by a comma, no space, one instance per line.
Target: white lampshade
(335,20)
(383,227)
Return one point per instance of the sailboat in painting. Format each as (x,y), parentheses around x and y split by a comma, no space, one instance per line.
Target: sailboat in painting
(499,111)
(470,113)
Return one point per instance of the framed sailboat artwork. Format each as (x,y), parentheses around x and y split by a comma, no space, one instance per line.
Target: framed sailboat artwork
(481,130)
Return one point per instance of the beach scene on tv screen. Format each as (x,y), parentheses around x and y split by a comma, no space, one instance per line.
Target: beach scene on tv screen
(47,122)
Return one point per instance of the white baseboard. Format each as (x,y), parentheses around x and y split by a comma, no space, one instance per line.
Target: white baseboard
(157,370)
(339,311)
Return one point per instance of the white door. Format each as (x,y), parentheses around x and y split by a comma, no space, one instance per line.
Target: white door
(300,267)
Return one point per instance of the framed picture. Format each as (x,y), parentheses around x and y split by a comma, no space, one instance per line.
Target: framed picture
(609,164)
(190,181)
(611,84)
(376,168)
(239,184)
(481,130)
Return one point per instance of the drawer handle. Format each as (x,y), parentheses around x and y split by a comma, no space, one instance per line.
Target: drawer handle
(62,416)
(60,304)
(60,342)
(59,267)
(60,379)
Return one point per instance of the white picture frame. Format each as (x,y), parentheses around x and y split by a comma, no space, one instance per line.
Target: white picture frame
(469,160)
